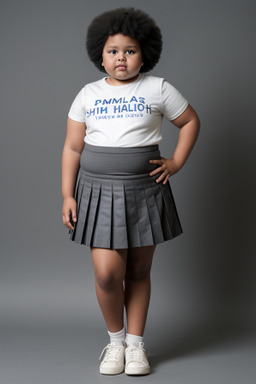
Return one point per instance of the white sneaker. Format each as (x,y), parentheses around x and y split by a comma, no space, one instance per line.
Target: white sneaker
(113,362)
(136,362)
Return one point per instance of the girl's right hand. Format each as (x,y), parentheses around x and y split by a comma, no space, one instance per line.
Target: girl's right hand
(69,212)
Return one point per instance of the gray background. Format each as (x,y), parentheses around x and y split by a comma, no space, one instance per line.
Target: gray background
(202,318)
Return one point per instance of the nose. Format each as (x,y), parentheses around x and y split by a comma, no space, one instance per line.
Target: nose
(121,56)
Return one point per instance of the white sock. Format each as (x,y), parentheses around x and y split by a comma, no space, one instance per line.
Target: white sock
(133,340)
(117,338)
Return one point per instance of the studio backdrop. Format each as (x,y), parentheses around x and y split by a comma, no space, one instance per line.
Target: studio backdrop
(205,275)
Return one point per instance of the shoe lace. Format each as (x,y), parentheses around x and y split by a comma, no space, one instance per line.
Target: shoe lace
(136,354)
(111,352)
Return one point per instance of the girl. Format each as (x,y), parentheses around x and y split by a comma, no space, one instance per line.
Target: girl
(115,185)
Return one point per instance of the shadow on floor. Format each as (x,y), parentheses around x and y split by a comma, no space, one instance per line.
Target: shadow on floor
(191,342)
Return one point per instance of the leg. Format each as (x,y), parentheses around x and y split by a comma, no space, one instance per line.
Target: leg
(109,269)
(137,288)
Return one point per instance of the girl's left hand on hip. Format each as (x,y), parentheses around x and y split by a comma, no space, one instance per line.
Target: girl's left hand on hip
(167,166)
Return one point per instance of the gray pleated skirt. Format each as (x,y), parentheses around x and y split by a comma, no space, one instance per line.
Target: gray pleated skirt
(118,204)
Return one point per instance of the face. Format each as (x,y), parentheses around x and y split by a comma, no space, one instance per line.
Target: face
(122,59)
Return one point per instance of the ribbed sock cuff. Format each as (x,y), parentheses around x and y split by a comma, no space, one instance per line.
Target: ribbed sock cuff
(118,337)
(133,340)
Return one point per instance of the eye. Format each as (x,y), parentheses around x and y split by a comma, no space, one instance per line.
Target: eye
(113,51)
(130,51)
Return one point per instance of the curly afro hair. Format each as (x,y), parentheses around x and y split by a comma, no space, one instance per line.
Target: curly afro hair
(127,21)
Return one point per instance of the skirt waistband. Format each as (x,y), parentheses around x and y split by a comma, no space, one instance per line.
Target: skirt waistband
(118,161)
(101,149)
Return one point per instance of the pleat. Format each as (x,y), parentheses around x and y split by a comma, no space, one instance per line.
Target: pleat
(160,206)
(155,214)
(123,213)
(102,227)
(83,204)
(78,197)
(92,212)
(131,216)
(143,219)
(170,213)
(119,220)
(78,184)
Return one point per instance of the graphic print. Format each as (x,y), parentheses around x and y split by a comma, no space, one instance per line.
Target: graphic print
(118,108)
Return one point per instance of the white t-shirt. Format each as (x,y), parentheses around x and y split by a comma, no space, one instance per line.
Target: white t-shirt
(129,115)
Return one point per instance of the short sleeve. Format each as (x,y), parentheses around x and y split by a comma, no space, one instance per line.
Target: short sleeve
(77,109)
(174,103)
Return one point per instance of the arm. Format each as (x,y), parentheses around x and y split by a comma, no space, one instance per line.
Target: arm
(189,125)
(73,147)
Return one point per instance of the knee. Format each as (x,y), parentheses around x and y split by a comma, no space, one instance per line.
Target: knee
(107,281)
(137,272)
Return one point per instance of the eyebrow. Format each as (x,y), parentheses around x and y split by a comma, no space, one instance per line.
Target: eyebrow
(128,46)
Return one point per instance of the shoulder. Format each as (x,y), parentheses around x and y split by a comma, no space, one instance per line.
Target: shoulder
(152,84)
(95,85)
(158,81)
(150,79)
(91,87)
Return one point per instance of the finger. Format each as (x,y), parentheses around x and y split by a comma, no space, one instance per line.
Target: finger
(74,218)
(70,221)
(166,179)
(158,161)
(66,221)
(161,177)
(64,218)
(70,226)
(157,170)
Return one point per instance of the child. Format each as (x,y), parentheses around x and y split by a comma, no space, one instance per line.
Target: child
(115,185)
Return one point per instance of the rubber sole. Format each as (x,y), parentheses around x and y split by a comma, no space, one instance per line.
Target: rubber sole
(137,371)
(105,371)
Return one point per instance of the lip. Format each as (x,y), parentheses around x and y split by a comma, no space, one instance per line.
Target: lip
(122,67)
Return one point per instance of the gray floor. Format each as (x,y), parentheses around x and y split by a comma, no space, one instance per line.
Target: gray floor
(70,356)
